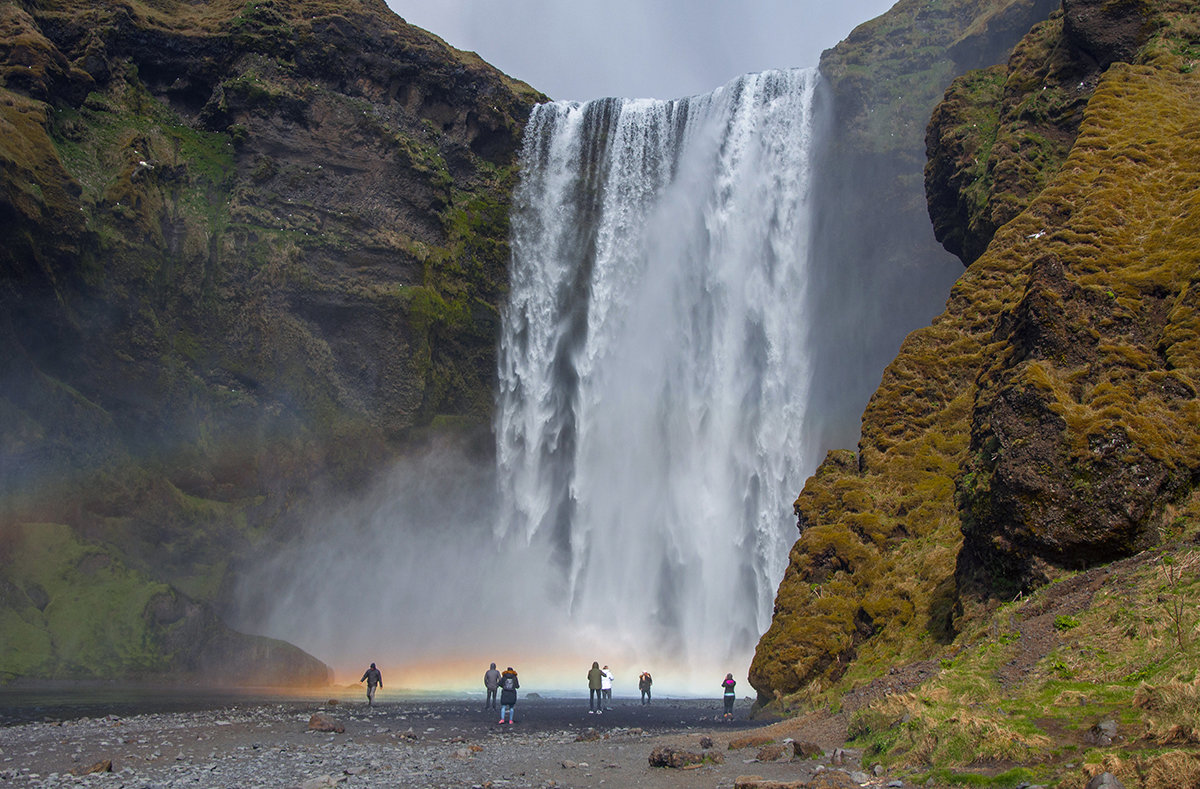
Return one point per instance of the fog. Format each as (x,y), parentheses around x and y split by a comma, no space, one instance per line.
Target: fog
(588,49)
(652,422)
(679,351)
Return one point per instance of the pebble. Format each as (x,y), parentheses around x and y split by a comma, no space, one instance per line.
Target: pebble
(259,746)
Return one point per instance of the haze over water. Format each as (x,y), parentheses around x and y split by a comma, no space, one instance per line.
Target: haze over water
(652,424)
(653,373)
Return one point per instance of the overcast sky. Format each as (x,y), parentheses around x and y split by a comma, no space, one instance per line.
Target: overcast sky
(664,49)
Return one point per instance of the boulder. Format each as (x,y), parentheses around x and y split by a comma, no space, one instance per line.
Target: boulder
(771,752)
(319,722)
(1102,734)
(1105,781)
(807,750)
(102,766)
(668,756)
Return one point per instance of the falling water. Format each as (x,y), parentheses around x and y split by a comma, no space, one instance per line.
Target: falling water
(654,372)
(652,427)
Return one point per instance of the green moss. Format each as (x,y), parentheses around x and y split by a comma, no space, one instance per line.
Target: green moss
(93,623)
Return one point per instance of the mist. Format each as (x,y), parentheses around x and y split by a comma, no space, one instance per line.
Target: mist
(651,430)
(702,301)
(407,574)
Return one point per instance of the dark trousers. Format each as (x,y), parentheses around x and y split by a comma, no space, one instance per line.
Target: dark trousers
(646,696)
(491,699)
(594,695)
(729,704)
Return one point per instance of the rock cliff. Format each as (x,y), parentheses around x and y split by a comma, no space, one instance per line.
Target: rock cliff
(1046,421)
(248,250)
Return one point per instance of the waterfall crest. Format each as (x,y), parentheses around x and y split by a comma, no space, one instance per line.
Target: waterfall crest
(654,361)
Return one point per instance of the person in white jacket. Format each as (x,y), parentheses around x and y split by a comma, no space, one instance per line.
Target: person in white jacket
(606,681)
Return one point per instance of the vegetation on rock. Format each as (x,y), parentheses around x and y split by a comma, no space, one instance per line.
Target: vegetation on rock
(1023,505)
(248,250)
(878,87)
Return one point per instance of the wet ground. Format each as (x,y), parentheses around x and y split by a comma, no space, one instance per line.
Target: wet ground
(433,743)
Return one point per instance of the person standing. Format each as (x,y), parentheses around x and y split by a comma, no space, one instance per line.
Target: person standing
(644,683)
(508,694)
(594,695)
(606,680)
(728,686)
(491,681)
(372,677)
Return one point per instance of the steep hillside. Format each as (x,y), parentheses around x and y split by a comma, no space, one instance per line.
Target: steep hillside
(878,271)
(1022,511)
(248,250)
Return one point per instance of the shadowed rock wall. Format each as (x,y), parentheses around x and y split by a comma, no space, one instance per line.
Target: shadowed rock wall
(248,252)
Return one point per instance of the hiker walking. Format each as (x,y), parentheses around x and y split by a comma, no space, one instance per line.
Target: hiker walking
(508,694)
(491,681)
(372,677)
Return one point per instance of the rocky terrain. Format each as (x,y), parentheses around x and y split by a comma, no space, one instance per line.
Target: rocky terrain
(429,744)
(248,250)
(879,87)
(1041,431)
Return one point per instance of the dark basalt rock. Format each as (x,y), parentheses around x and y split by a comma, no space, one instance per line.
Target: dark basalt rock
(1105,31)
(247,253)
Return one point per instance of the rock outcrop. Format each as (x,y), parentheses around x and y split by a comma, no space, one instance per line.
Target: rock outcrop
(1001,133)
(1047,420)
(878,272)
(248,250)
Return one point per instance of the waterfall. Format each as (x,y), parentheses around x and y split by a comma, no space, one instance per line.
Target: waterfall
(654,364)
(652,424)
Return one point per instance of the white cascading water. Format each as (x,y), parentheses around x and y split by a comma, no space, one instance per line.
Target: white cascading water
(654,364)
(651,424)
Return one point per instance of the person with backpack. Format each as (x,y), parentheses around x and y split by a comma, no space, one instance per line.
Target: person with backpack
(644,683)
(372,677)
(727,686)
(491,682)
(508,694)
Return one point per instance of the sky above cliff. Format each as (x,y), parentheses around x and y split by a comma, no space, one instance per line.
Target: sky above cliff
(586,49)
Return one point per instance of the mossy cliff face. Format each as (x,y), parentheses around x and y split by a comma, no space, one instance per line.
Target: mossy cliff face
(1000,133)
(879,272)
(249,250)
(1047,420)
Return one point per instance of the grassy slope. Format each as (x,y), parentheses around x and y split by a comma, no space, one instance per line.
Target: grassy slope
(871,582)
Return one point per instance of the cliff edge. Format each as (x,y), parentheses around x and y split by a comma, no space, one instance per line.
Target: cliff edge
(249,250)
(1045,423)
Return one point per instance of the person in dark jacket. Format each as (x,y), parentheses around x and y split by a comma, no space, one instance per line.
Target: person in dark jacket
(595,698)
(727,687)
(372,677)
(491,681)
(508,694)
(644,683)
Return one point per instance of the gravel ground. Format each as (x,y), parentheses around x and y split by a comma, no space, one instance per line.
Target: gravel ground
(555,743)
